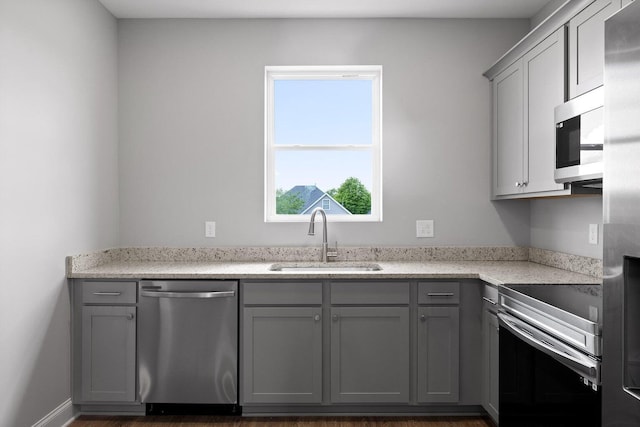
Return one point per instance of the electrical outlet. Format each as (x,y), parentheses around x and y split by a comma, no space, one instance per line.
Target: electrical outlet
(424,228)
(210,229)
(593,234)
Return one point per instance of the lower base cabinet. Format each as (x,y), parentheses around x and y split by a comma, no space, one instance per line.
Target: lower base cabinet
(369,346)
(490,352)
(438,354)
(370,354)
(104,342)
(108,354)
(491,349)
(282,355)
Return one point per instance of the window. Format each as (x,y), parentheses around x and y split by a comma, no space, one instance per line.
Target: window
(326,204)
(323,142)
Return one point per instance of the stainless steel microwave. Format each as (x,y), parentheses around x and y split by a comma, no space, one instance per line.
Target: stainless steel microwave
(580,138)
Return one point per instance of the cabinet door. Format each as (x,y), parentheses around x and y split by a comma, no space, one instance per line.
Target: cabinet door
(508,130)
(586,46)
(491,368)
(108,354)
(544,72)
(438,354)
(282,355)
(370,354)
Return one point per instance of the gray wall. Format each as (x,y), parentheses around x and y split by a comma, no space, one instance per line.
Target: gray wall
(58,185)
(191,128)
(563,225)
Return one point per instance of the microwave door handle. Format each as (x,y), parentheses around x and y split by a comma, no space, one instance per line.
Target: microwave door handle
(590,147)
(579,363)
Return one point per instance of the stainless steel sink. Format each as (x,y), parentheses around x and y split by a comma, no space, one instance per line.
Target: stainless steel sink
(325,267)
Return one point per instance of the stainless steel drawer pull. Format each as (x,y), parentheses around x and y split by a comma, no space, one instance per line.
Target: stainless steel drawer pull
(163,294)
(489,300)
(439,294)
(107,294)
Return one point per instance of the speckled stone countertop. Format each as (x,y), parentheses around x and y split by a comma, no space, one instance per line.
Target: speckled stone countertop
(497,266)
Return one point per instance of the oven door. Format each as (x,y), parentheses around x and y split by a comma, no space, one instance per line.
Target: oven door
(587,367)
(540,383)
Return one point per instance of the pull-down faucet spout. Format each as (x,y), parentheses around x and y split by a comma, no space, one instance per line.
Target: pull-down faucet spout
(325,245)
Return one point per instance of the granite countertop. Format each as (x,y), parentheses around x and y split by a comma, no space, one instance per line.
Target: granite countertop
(497,272)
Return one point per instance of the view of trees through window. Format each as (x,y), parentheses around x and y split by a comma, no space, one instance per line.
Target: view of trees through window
(352,195)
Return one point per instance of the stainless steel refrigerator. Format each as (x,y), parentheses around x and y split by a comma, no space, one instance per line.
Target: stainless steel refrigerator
(621,200)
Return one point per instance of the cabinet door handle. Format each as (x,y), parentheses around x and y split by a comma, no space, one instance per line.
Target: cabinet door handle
(439,294)
(316,317)
(490,301)
(335,317)
(107,294)
(518,184)
(130,316)
(423,318)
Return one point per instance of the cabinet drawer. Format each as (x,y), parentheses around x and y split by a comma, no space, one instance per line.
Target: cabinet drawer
(109,293)
(286,293)
(438,293)
(363,293)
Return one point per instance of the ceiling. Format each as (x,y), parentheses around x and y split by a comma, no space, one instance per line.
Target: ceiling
(324,8)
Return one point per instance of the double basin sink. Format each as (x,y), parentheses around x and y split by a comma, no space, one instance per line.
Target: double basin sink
(303,267)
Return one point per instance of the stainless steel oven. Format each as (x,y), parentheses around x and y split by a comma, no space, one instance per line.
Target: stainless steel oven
(550,355)
(580,138)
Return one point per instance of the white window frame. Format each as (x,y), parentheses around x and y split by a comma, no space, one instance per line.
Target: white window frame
(351,72)
(328,200)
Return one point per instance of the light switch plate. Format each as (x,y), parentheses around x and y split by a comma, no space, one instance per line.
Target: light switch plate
(210,229)
(424,228)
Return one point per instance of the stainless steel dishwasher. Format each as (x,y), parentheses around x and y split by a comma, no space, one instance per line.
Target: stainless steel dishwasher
(188,342)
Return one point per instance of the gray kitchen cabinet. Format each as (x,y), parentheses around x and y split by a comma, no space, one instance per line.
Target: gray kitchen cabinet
(104,342)
(438,342)
(490,351)
(282,355)
(438,354)
(108,354)
(281,338)
(586,46)
(370,354)
(524,97)
(544,71)
(508,130)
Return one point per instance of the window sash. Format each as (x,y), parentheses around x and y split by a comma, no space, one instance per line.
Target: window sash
(373,73)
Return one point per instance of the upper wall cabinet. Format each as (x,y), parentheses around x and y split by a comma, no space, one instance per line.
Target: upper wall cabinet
(586,46)
(544,71)
(524,97)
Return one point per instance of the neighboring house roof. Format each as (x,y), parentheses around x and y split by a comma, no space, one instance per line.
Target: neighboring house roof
(311,195)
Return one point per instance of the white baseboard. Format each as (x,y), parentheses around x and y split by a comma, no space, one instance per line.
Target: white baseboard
(61,416)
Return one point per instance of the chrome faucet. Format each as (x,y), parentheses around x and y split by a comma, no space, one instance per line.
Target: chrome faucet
(326,253)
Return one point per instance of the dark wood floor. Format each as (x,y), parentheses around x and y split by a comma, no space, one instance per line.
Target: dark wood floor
(200,421)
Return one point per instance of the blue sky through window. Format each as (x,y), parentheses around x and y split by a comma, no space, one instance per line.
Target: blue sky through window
(321,113)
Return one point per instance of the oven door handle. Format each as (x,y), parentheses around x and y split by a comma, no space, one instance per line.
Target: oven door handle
(578,362)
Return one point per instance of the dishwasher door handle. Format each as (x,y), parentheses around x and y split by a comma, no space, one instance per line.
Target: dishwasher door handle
(187,294)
